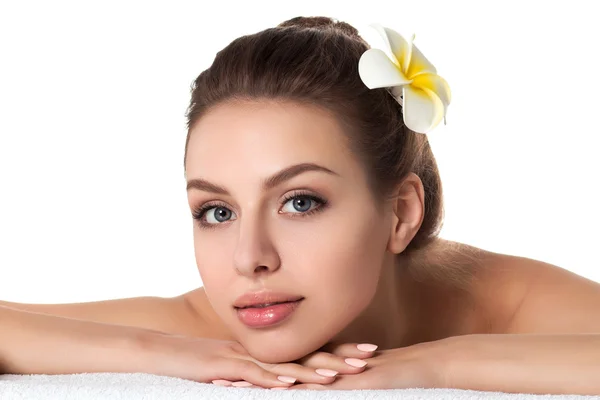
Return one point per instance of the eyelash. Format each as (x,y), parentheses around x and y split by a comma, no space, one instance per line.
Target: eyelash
(198,213)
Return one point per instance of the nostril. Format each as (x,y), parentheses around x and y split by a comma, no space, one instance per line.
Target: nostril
(261,268)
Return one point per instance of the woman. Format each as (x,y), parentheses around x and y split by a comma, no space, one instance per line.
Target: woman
(317,203)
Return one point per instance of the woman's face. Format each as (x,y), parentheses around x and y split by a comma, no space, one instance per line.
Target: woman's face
(312,231)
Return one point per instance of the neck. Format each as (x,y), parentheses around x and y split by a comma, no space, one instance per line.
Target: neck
(385,321)
(417,300)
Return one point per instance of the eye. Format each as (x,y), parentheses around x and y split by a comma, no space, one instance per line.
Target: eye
(210,215)
(216,215)
(301,204)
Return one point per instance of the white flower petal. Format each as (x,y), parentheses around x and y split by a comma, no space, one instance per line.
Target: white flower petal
(435,83)
(397,45)
(418,63)
(422,109)
(377,70)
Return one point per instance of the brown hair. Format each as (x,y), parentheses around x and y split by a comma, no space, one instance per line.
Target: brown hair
(314,60)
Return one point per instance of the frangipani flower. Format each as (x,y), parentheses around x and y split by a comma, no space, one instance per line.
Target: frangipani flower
(409,77)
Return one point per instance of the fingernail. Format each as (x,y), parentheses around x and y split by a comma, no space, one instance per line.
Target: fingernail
(279,388)
(367,347)
(286,379)
(326,372)
(241,384)
(221,382)
(355,362)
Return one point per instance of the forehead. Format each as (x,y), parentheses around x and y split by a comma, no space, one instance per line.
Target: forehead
(266,134)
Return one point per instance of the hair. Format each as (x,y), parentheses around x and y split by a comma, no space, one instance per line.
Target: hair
(314,61)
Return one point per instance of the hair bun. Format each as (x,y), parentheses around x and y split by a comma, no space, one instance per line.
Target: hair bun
(321,23)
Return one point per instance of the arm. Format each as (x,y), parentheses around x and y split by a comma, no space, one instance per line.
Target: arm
(550,345)
(33,343)
(526,363)
(170,315)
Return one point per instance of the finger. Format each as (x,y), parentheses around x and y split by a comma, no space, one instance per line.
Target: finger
(351,350)
(299,372)
(309,386)
(241,370)
(322,360)
(222,382)
(242,384)
(245,384)
(342,383)
(305,374)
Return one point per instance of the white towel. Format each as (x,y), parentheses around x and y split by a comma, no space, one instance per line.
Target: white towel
(148,387)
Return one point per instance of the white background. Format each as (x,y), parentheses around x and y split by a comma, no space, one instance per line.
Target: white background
(92,132)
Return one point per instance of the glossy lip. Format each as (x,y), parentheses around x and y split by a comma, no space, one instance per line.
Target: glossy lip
(269,316)
(264,297)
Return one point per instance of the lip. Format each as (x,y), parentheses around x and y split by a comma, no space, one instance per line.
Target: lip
(262,317)
(265,308)
(263,297)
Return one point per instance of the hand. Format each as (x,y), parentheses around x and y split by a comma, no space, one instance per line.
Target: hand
(226,363)
(327,362)
(345,359)
(422,365)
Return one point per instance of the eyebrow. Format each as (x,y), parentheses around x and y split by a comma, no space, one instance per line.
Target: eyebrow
(269,183)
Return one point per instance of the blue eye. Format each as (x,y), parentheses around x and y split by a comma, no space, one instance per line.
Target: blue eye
(213,214)
(302,204)
(216,215)
(299,204)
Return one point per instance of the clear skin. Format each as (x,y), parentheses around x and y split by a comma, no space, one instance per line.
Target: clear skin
(339,255)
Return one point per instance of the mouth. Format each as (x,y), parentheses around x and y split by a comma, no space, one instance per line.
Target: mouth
(262,315)
(264,305)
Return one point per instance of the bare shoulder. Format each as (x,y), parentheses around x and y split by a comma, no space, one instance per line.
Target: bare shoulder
(556,301)
(522,295)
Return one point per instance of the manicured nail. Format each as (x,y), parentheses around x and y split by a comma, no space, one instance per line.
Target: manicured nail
(367,347)
(326,372)
(241,384)
(221,382)
(355,362)
(286,379)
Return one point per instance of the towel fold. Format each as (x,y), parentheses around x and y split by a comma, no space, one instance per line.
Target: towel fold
(150,387)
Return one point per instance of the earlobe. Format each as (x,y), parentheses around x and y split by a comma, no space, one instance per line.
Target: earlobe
(408,205)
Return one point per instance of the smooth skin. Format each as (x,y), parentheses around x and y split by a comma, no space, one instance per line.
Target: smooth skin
(340,253)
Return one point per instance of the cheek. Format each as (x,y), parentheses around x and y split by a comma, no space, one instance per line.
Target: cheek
(213,259)
(345,257)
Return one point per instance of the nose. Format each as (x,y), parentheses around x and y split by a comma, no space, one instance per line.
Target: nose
(255,253)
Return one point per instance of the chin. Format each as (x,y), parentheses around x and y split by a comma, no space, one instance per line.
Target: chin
(277,353)
(282,349)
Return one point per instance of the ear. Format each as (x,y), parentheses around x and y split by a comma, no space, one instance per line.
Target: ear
(408,205)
